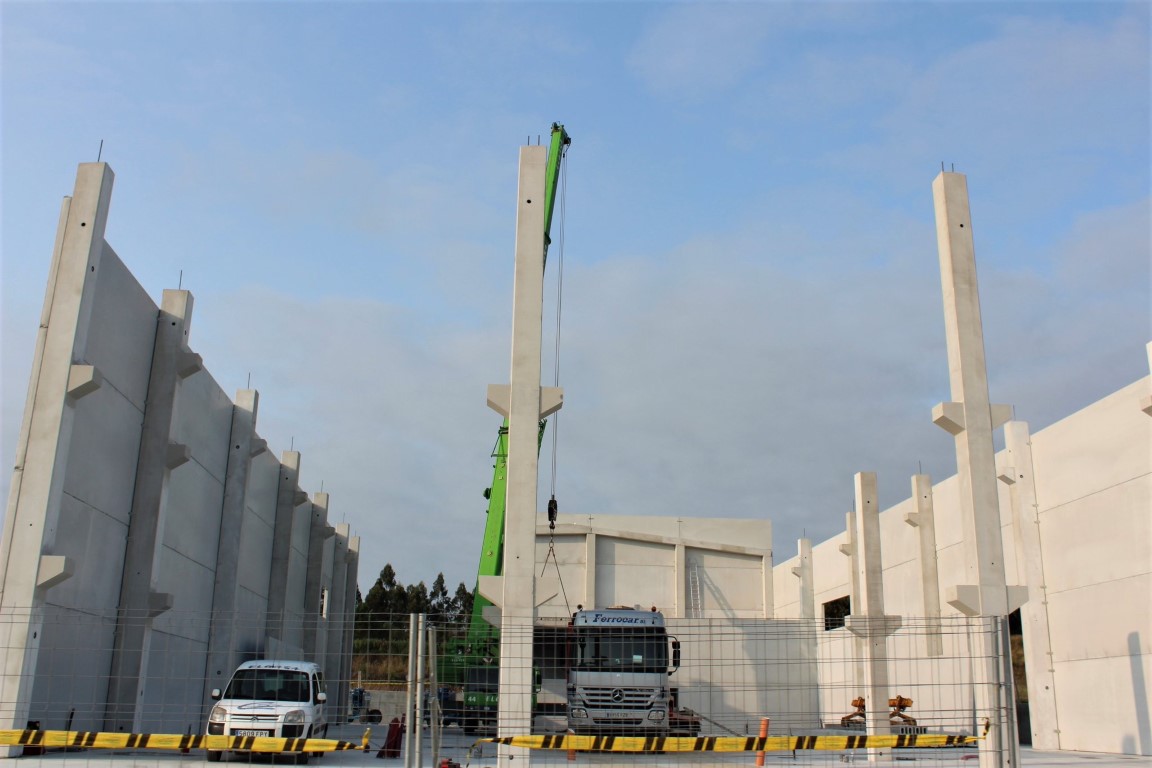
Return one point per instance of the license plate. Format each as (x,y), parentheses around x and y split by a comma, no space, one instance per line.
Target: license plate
(250,732)
(618,715)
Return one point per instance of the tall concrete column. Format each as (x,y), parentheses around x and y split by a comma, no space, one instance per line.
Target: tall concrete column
(338,693)
(590,570)
(288,497)
(680,578)
(970,418)
(868,622)
(849,549)
(1146,400)
(353,567)
(924,521)
(803,572)
(525,405)
(319,533)
(140,602)
(1021,480)
(59,378)
(769,585)
(242,447)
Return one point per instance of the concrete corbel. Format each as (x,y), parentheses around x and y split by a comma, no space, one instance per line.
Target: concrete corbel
(188,363)
(491,588)
(1001,414)
(551,399)
(54,569)
(299,498)
(1007,475)
(912,519)
(178,454)
(159,602)
(257,447)
(949,417)
(83,380)
(977,600)
(329,532)
(499,395)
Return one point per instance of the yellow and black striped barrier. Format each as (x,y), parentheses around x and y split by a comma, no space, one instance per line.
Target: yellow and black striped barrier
(98,740)
(732,743)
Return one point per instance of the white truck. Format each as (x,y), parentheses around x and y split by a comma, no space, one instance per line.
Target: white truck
(618,675)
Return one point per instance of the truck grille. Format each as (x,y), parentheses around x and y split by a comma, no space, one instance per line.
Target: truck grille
(617,698)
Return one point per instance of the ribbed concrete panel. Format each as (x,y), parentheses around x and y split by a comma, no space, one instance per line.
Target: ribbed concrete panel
(122,466)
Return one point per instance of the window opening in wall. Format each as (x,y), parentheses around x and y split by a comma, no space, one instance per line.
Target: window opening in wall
(323,603)
(835,611)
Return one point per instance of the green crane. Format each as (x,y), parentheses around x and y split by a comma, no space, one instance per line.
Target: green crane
(474,664)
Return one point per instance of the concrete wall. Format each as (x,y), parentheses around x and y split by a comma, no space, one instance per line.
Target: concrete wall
(146,513)
(697,568)
(1088,577)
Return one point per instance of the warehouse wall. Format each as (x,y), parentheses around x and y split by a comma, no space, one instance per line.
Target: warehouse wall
(151,541)
(1091,478)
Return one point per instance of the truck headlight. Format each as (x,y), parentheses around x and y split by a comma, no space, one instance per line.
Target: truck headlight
(579,712)
(219,714)
(656,714)
(295,716)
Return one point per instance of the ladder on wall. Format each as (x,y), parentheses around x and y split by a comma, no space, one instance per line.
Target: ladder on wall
(695,607)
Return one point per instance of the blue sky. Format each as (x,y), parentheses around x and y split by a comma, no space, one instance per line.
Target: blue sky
(751,305)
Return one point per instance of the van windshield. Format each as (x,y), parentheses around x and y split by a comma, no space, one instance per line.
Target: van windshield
(268,685)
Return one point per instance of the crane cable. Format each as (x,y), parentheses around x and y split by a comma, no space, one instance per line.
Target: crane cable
(553,507)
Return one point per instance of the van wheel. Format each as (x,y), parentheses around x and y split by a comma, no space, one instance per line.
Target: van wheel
(214,757)
(302,758)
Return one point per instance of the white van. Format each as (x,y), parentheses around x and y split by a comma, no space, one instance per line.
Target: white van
(281,699)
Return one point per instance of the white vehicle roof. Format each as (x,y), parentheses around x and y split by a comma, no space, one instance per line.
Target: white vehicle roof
(294,666)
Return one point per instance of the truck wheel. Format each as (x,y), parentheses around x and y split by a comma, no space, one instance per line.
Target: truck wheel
(214,756)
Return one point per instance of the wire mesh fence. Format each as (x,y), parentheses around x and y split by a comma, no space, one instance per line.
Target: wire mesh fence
(696,678)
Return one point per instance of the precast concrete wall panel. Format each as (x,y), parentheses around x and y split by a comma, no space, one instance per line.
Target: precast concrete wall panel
(173,697)
(729,583)
(634,573)
(258,528)
(92,396)
(72,676)
(741,670)
(122,330)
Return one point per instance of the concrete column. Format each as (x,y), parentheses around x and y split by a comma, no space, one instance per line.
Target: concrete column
(970,418)
(590,570)
(868,621)
(803,571)
(337,683)
(289,496)
(848,548)
(1019,476)
(924,520)
(319,533)
(353,567)
(140,603)
(680,581)
(243,445)
(29,567)
(1146,401)
(526,405)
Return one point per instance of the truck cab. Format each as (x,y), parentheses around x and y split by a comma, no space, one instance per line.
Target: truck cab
(618,678)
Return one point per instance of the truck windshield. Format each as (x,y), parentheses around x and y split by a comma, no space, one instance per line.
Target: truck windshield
(268,685)
(484,679)
(613,648)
